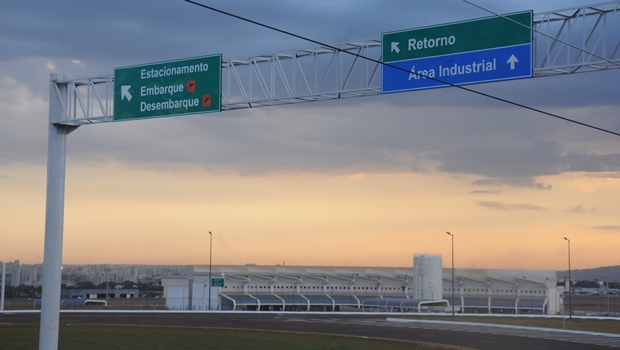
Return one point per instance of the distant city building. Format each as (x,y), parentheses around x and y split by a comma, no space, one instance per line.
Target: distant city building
(32,274)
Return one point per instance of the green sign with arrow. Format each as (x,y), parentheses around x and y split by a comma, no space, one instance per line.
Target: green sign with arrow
(163,89)
(473,35)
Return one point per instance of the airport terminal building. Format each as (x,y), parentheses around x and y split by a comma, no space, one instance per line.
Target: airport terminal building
(425,288)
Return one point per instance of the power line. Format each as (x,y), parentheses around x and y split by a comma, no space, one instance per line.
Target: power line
(401,69)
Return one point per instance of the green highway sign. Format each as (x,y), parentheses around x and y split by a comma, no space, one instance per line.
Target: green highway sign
(163,89)
(473,35)
(471,52)
(217,282)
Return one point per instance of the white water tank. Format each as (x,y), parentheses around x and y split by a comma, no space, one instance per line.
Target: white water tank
(427,277)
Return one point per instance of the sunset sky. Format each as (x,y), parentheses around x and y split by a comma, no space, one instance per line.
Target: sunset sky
(359,182)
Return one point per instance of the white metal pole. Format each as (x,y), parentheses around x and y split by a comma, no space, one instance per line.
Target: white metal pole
(607,278)
(570,292)
(54,217)
(210,280)
(106,286)
(452,236)
(563,315)
(3,285)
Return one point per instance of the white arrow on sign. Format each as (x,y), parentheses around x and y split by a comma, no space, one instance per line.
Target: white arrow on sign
(395,47)
(125,92)
(512,60)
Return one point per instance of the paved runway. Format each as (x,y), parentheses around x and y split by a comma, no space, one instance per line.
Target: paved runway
(472,336)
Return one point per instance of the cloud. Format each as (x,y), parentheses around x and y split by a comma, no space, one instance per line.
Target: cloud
(445,129)
(607,227)
(163,29)
(605,175)
(514,182)
(503,206)
(592,162)
(577,209)
(483,149)
(416,168)
(485,191)
(20,107)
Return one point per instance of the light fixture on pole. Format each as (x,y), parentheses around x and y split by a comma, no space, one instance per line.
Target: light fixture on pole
(210,251)
(451,235)
(570,300)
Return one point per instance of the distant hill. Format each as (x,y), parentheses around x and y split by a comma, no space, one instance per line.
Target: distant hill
(600,273)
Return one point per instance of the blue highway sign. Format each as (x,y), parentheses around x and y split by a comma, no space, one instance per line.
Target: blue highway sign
(512,62)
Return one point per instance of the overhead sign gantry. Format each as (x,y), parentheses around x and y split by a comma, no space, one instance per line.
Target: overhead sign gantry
(475,51)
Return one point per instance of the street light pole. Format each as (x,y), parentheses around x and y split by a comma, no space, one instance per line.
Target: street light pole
(210,251)
(451,235)
(106,285)
(607,278)
(3,285)
(570,299)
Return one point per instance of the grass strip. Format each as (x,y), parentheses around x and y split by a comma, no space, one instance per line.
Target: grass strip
(95,337)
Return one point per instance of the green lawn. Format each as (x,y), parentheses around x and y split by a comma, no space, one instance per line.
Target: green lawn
(96,337)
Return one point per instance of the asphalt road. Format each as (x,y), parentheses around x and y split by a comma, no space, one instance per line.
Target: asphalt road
(476,337)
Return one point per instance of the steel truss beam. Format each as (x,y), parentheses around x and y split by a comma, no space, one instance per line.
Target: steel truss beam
(593,33)
(321,74)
